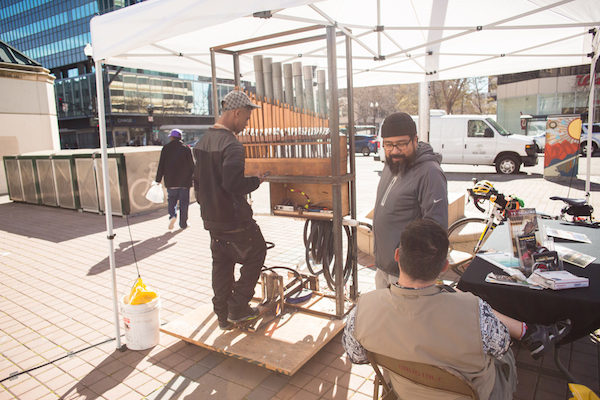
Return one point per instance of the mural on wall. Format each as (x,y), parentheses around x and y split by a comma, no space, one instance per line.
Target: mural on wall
(562,146)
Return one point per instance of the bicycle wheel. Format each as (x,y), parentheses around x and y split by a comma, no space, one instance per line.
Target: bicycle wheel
(464,237)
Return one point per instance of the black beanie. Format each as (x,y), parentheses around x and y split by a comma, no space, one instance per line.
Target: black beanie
(398,124)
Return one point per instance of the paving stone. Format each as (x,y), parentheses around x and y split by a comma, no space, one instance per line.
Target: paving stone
(61,256)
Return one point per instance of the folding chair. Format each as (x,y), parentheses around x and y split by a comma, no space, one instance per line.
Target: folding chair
(419,373)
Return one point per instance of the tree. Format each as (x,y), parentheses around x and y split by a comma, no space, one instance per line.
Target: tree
(372,104)
(446,93)
(455,96)
(407,98)
(480,97)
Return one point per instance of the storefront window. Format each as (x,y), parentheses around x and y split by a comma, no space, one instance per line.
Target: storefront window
(548,104)
(568,103)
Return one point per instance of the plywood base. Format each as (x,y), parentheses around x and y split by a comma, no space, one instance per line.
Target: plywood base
(284,344)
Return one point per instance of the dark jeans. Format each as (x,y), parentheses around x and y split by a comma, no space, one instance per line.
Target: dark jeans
(181,195)
(247,247)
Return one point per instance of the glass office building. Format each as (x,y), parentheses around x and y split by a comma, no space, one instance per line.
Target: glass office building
(138,102)
(545,92)
(52,32)
(173,99)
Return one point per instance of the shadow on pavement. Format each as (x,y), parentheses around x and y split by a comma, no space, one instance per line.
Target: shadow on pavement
(469,176)
(58,224)
(107,375)
(124,254)
(574,183)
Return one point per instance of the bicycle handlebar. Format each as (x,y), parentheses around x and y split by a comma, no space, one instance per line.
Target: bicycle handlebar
(493,196)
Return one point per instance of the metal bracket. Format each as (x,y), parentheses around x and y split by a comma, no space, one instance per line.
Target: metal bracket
(263,14)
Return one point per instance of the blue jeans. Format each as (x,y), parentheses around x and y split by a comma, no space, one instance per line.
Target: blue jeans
(181,195)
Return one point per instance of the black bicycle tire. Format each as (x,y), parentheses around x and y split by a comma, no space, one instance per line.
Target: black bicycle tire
(460,267)
(464,221)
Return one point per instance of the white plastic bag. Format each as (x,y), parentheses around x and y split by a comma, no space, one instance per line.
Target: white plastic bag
(155,194)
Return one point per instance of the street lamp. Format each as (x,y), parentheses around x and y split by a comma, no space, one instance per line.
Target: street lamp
(89,53)
(150,110)
(375,108)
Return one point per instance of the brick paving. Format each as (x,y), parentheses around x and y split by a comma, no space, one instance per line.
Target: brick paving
(56,315)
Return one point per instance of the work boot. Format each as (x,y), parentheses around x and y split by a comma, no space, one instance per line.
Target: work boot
(247,314)
(539,338)
(225,325)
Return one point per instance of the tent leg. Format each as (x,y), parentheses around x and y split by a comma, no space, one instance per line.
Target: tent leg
(107,202)
(595,49)
(215,93)
(352,157)
(424,111)
(335,170)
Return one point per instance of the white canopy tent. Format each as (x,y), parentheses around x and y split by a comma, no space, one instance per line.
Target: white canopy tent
(393,41)
(412,40)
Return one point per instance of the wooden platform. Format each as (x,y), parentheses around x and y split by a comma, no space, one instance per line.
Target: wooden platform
(284,344)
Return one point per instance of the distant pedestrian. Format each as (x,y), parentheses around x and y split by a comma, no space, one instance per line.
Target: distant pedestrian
(176,165)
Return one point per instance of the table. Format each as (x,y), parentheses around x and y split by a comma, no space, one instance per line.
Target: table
(581,305)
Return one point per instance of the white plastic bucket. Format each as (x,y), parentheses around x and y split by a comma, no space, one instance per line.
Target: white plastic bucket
(142,324)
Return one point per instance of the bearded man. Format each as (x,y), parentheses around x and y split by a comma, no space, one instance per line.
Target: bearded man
(412,186)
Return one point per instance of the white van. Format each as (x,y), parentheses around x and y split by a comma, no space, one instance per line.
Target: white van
(477,140)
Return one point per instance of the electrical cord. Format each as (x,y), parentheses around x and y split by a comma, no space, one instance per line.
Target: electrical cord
(318,242)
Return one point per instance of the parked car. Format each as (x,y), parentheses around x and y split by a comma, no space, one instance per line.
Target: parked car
(365,144)
(595,138)
(537,131)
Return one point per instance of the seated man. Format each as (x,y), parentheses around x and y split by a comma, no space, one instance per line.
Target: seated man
(415,320)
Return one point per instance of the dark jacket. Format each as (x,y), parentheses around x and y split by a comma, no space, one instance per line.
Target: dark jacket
(220,184)
(419,192)
(176,165)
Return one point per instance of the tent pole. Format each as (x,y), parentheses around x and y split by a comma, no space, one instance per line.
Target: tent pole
(595,49)
(377,29)
(424,111)
(107,201)
(215,93)
(236,71)
(352,157)
(336,190)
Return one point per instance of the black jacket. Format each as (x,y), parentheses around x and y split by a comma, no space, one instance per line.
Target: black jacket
(219,182)
(176,165)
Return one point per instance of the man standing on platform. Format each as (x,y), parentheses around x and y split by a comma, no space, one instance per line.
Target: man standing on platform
(412,186)
(177,166)
(221,188)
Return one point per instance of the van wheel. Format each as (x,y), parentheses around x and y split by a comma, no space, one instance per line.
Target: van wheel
(365,151)
(507,165)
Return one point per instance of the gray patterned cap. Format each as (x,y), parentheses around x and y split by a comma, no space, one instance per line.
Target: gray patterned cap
(236,99)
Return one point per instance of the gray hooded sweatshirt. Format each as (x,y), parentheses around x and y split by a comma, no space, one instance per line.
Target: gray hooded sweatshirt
(419,192)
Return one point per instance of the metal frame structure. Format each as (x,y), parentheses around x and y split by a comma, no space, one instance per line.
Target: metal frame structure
(109,29)
(337,179)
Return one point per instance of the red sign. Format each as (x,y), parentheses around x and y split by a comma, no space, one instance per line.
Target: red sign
(584,80)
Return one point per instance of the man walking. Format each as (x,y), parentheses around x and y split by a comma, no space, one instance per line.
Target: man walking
(412,186)
(177,167)
(221,187)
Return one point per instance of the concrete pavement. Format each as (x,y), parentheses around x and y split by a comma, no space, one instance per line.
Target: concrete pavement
(56,315)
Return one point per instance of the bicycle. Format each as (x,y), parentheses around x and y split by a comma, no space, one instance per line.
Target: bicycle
(467,235)
(579,210)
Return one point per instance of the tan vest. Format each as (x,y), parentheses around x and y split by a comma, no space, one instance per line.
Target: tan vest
(427,326)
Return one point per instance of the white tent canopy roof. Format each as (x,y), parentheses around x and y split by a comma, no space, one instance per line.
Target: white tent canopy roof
(474,37)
